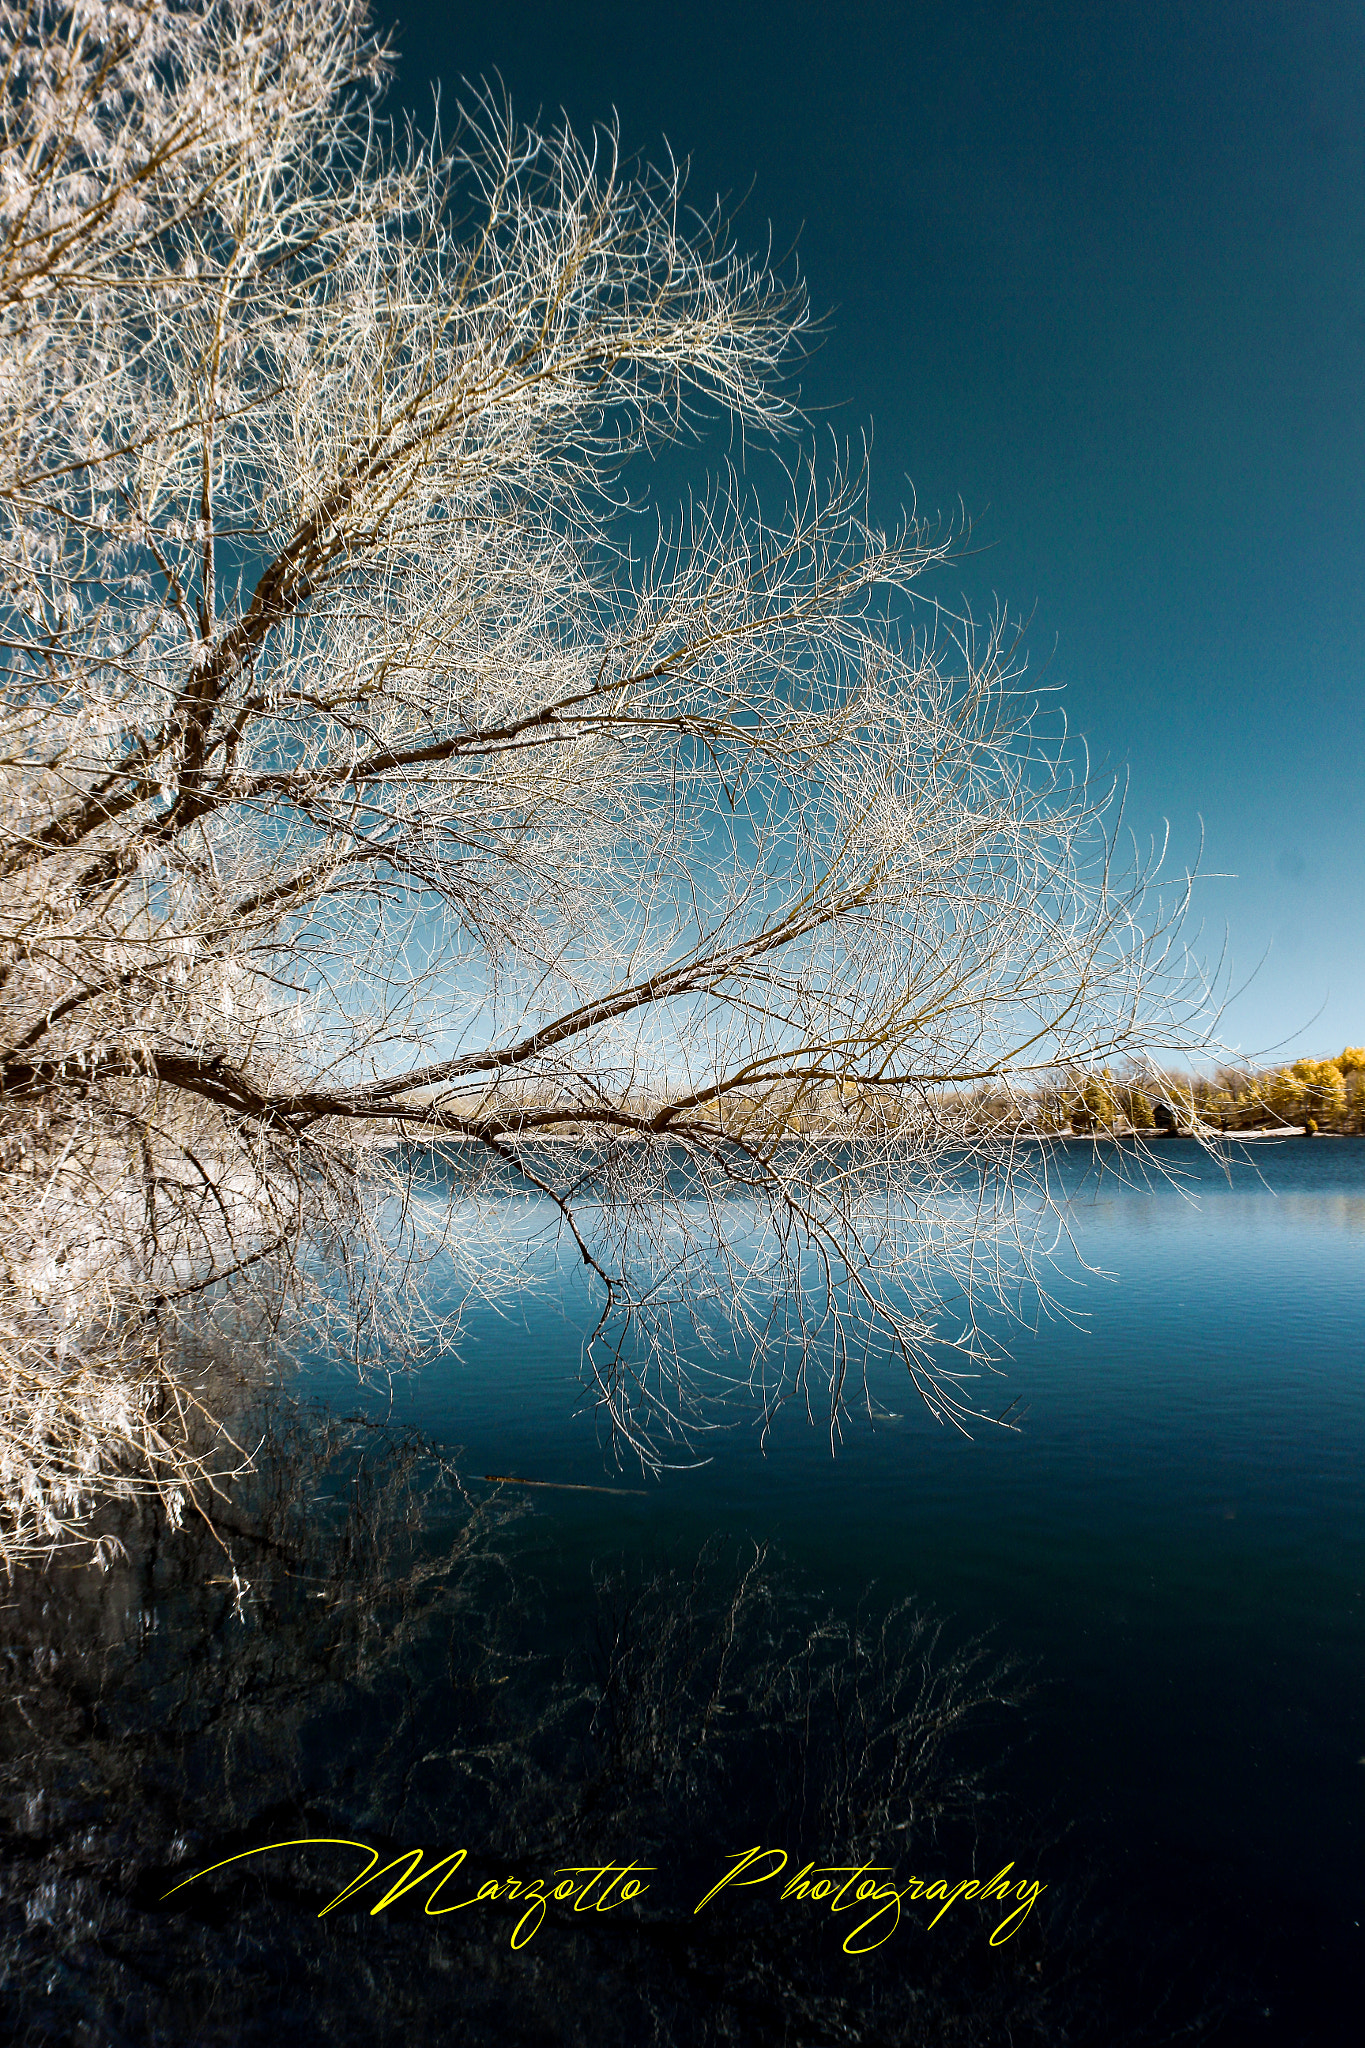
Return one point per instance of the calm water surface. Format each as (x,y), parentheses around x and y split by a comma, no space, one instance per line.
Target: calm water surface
(1175,1537)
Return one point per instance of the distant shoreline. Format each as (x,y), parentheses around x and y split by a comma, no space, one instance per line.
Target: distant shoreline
(1206,1133)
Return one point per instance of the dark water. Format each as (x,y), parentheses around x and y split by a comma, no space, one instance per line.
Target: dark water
(1176,1535)
(1172,1542)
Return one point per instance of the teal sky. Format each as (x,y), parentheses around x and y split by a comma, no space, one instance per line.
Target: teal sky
(1099,273)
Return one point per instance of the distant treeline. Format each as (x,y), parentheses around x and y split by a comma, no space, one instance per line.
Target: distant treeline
(1317,1095)
(1326,1095)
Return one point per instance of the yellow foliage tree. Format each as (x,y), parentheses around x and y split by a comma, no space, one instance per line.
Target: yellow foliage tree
(1138,1109)
(1324,1089)
(1285,1095)
(1099,1102)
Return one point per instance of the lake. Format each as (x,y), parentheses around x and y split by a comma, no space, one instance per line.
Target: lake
(1170,1547)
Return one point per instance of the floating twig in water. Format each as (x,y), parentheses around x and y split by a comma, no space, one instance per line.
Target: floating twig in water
(559,1485)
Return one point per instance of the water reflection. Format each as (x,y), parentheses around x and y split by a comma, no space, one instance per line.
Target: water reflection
(353,1645)
(363,1642)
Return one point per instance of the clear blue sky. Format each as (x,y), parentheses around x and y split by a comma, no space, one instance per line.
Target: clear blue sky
(1099,272)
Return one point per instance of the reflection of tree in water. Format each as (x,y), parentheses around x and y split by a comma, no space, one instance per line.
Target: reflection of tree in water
(389,1675)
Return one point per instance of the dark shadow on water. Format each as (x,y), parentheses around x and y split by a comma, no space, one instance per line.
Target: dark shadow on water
(355,1648)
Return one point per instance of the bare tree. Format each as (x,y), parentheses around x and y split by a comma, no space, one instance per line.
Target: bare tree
(366,778)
